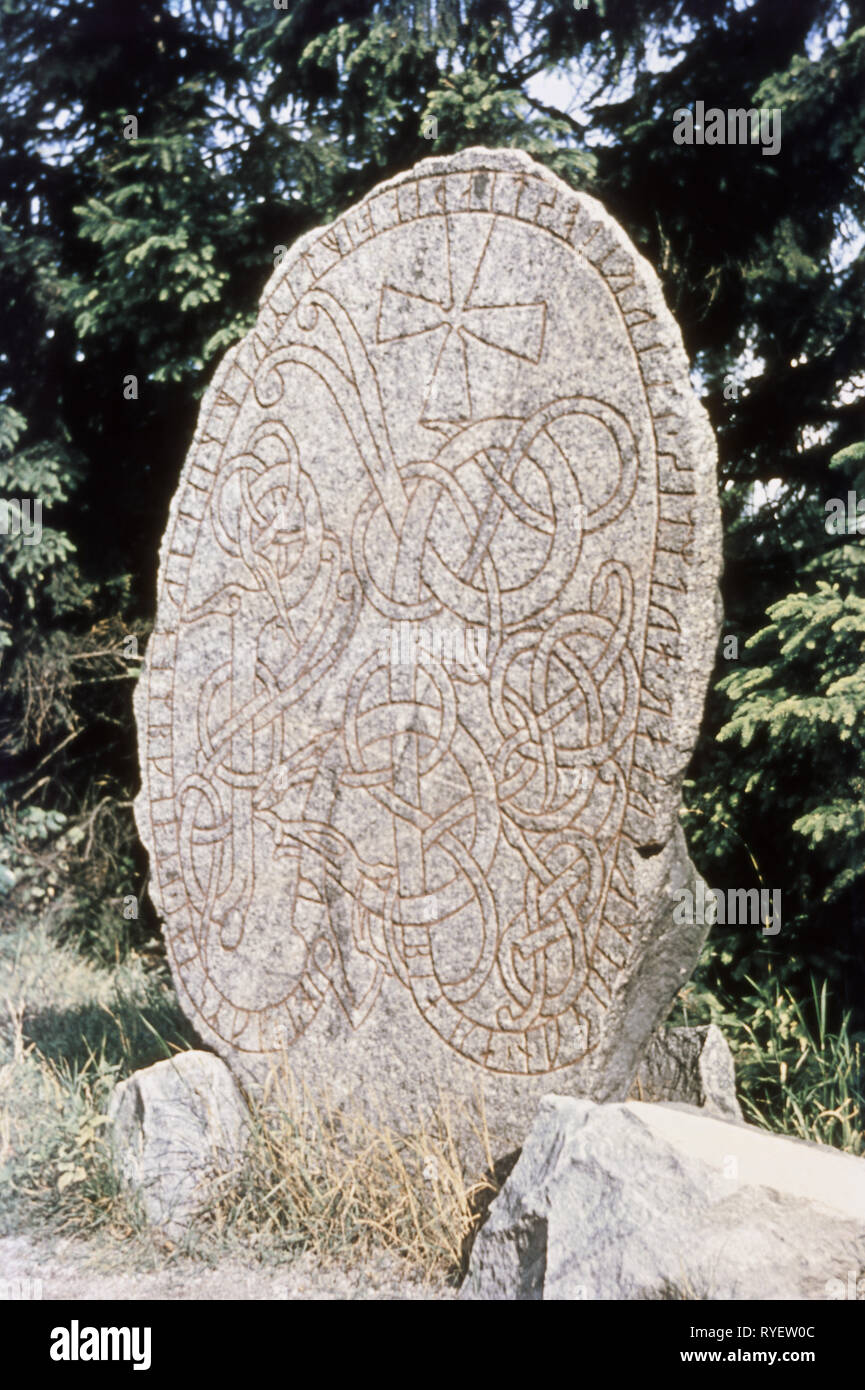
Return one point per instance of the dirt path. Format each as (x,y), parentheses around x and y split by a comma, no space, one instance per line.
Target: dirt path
(81,1271)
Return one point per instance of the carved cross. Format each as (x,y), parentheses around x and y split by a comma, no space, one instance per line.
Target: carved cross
(514,328)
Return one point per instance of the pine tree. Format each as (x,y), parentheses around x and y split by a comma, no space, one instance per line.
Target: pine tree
(153,160)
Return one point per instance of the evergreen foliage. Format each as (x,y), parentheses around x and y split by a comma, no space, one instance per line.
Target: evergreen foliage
(144,257)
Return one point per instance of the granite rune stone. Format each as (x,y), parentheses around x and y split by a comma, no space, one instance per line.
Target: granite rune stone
(437,610)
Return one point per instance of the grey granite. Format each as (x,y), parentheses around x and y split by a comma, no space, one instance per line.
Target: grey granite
(437,610)
(641,1201)
(692,1066)
(178,1130)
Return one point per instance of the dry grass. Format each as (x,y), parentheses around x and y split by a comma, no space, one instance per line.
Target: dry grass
(339,1185)
(342,1184)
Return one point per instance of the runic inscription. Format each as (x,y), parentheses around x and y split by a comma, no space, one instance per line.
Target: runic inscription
(410,704)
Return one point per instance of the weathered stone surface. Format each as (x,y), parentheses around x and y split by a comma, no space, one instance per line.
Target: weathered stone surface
(436,614)
(177,1128)
(638,1201)
(689,1066)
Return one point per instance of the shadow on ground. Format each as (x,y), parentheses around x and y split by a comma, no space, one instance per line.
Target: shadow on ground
(123,1032)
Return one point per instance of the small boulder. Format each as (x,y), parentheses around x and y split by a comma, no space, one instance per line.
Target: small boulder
(178,1128)
(689,1066)
(643,1201)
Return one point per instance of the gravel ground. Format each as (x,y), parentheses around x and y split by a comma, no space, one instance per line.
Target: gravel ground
(78,1271)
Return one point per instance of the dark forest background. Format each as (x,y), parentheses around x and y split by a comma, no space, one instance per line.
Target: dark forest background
(145,257)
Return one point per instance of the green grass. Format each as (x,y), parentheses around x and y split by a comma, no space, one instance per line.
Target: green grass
(69,1031)
(795,1074)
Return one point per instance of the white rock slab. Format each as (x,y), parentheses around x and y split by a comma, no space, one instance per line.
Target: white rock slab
(640,1201)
